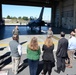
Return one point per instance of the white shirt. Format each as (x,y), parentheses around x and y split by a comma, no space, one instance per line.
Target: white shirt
(19,49)
(72,43)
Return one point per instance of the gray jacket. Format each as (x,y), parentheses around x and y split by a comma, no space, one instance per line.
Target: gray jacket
(13,47)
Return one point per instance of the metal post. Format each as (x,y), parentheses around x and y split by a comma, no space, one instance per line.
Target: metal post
(2,22)
(60,14)
(53,16)
(0,11)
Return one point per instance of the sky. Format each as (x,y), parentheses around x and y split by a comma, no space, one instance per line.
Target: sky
(28,11)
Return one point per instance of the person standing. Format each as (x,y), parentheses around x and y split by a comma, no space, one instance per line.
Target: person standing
(48,56)
(71,48)
(16,31)
(33,55)
(50,32)
(16,52)
(61,53)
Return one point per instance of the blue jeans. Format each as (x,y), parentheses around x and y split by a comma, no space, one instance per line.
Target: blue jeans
(33,65)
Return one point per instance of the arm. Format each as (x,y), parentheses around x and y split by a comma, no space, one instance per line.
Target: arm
(13,31)
(39,51)
(53,46)
(58,49)
(20,50)
(43,48)
(52,33)
(9,48)
(69,44)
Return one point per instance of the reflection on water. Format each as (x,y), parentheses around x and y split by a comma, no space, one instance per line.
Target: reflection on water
(6,31)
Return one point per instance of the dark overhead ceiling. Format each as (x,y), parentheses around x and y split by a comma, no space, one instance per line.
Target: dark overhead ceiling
(46,3)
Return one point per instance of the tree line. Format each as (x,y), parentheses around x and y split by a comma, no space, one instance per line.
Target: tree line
(22,18)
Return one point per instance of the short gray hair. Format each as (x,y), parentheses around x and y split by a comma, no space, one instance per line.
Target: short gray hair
(15,37)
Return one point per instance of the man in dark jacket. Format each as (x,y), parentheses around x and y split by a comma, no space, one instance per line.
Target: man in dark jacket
(61,53)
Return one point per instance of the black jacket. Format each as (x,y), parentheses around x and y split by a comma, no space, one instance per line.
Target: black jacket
(48,53)
(62,48)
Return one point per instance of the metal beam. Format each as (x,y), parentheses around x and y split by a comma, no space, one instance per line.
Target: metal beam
(46,3)
(0,12)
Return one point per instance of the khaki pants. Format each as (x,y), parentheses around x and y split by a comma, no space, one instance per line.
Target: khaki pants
(15,64)
(70,55)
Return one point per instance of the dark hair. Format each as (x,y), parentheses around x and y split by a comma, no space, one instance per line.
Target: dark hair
(62,34)
(72,33)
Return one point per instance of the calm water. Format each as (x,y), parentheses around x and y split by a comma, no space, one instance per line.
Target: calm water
(6,31)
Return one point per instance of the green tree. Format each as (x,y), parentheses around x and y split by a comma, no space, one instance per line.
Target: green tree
(19,17)
(8,17)
(25,18)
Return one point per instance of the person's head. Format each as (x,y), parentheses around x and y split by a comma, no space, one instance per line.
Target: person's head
(72,33)
(50,28)
(16,27)
(15,37)
(48,42)
(62,34)
(33,44)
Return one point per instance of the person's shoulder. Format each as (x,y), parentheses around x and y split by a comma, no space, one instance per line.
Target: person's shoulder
(11,41)
(75,38)
(62,39)
(66,39)
(44,45)
(39,47)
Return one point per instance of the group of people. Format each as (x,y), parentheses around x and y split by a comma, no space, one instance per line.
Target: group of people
(65,51)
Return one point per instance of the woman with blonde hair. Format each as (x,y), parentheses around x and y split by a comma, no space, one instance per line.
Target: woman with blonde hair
(33,55)
(48,56)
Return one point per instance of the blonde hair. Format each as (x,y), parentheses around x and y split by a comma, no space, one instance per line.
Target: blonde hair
(33,44)
(48,42)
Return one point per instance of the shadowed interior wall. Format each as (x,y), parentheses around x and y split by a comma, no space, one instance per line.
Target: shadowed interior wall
(68,12)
